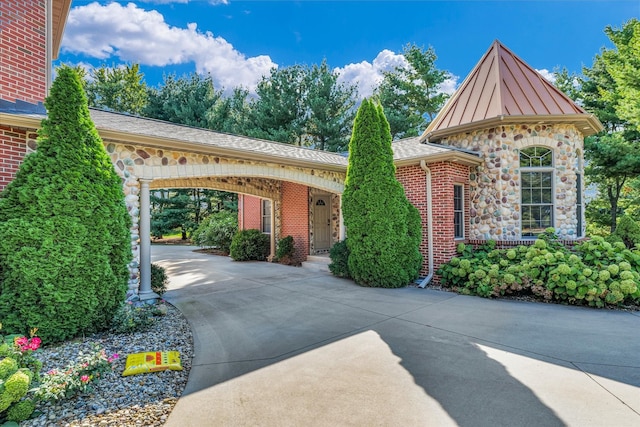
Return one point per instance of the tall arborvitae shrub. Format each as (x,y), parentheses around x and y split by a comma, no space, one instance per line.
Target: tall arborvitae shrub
(383,239)
(64,227)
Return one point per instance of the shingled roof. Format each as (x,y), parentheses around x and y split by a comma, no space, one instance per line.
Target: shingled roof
(502,88)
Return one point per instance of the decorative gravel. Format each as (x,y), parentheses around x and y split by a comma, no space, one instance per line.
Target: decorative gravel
(138,400)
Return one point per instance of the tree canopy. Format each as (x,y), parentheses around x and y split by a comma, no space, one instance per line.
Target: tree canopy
(411,95)
(120,89)
(623,64)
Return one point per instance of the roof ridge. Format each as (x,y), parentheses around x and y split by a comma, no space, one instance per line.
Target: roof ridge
(503,86)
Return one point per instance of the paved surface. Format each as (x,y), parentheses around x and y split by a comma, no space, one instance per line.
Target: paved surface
(282,346)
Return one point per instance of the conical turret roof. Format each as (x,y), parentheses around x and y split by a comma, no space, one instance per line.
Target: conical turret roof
(503,89)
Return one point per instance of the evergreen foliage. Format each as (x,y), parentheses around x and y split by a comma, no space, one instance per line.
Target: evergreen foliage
(628,232)
(410,93)
(119,89)
(285,250)
(383,250)
(250,245)
(339,255)
(64,227)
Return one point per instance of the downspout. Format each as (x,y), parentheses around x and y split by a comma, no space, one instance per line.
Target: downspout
(427,279)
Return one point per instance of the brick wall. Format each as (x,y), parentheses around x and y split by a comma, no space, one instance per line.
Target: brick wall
(13,147)
(295,217)
(249,212)
(443,177)
(22,49)
(414,181)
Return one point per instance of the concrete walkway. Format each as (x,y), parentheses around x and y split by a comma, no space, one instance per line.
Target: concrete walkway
(282,346)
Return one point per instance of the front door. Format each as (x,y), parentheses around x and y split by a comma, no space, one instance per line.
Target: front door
(322,223)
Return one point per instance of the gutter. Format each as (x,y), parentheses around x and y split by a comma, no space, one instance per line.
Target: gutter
(427,279)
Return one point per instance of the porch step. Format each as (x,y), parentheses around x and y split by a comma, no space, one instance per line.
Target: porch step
(317,263)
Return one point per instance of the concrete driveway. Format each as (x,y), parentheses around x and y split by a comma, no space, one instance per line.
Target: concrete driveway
(283,346)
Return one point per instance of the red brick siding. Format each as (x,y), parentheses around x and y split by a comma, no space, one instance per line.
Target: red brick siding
(249,213)
(414,181)
(294,217)
(13,147)
(23,50)
(443,177)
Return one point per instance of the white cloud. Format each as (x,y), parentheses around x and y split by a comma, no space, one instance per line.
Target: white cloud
(136,35)
(548,75)
(450,84)
(367,76)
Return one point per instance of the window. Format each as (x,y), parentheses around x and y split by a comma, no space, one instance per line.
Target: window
(266,216)
(536,179)
(458,211)
(579,205)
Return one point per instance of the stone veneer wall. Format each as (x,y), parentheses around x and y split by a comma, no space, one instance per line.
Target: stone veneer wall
(175,169)
(495,186)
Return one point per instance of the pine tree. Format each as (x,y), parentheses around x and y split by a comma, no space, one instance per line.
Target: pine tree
(64,227)
(381,223)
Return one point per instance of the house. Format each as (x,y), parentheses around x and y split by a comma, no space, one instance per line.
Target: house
(502,160)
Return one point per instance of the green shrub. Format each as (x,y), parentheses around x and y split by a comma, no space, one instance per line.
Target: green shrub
(21,411)
(159,279)
(64,227)
(132,317)
(627,231)
(384,233)
(217,231)
(18,370)
(250,245)
(75,378)
(597,274)
(285,250)
(339,254)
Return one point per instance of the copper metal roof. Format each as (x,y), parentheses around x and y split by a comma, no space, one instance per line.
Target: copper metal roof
(503,88)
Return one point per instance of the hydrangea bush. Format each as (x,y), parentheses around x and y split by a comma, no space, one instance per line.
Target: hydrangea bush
(595,273)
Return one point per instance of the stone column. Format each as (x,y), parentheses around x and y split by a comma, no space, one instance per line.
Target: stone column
(145,293)
(343,231)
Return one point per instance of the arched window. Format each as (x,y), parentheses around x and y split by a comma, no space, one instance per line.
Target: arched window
(536,174)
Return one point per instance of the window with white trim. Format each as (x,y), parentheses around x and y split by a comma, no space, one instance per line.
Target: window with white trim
(536,185)
(458,211)
(266,216)
(579,205)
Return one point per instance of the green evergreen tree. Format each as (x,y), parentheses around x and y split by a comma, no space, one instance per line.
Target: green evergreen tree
(411,94)
(330,106)
(119,89)
(64,227)
(383,247)
(279,113)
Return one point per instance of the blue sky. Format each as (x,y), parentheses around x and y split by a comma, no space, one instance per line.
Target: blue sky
(239,41)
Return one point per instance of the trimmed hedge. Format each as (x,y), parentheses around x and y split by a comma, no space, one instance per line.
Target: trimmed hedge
(250,245)
(64,227)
